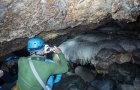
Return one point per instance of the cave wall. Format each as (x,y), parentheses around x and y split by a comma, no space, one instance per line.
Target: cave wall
(49,19)
(26,18)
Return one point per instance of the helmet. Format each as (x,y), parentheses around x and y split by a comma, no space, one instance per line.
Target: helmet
(10,58)
(35,45)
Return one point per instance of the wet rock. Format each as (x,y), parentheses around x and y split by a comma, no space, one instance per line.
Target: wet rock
(103,84)
(71,83)
(103,61)
(84,73)
(99,51)
(127,44)
(124,73)
(136,56)
(104,55)
(91,88)
(136,83)
(125,87)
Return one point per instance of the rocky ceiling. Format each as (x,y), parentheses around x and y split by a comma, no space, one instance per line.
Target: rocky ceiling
(50,19)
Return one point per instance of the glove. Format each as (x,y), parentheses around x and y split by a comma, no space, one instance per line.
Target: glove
(50,81)
(58,78)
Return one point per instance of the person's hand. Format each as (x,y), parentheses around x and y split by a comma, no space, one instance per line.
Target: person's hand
(56,50)
(1,73)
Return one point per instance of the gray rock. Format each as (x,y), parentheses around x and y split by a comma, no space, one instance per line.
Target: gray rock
(136,83)
(71,83)
(103,84)
(125,87)
(99,51)
(124,73)
(84,73)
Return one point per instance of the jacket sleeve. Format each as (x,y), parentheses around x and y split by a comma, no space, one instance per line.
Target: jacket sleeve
(60,67)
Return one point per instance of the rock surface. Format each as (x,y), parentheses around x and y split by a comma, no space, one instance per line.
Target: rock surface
(125,73)
(103,84)
(71,83)
(26,18)
(100,49)
(85,73)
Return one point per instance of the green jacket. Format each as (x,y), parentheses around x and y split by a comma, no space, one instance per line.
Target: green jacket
(26,79)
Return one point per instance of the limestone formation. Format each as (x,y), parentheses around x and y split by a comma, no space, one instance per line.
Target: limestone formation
(100,50)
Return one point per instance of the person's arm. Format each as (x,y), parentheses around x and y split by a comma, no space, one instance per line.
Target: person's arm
(60,67)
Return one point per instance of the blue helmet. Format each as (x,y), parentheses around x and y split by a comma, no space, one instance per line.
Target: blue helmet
(35,44)
(10,58)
